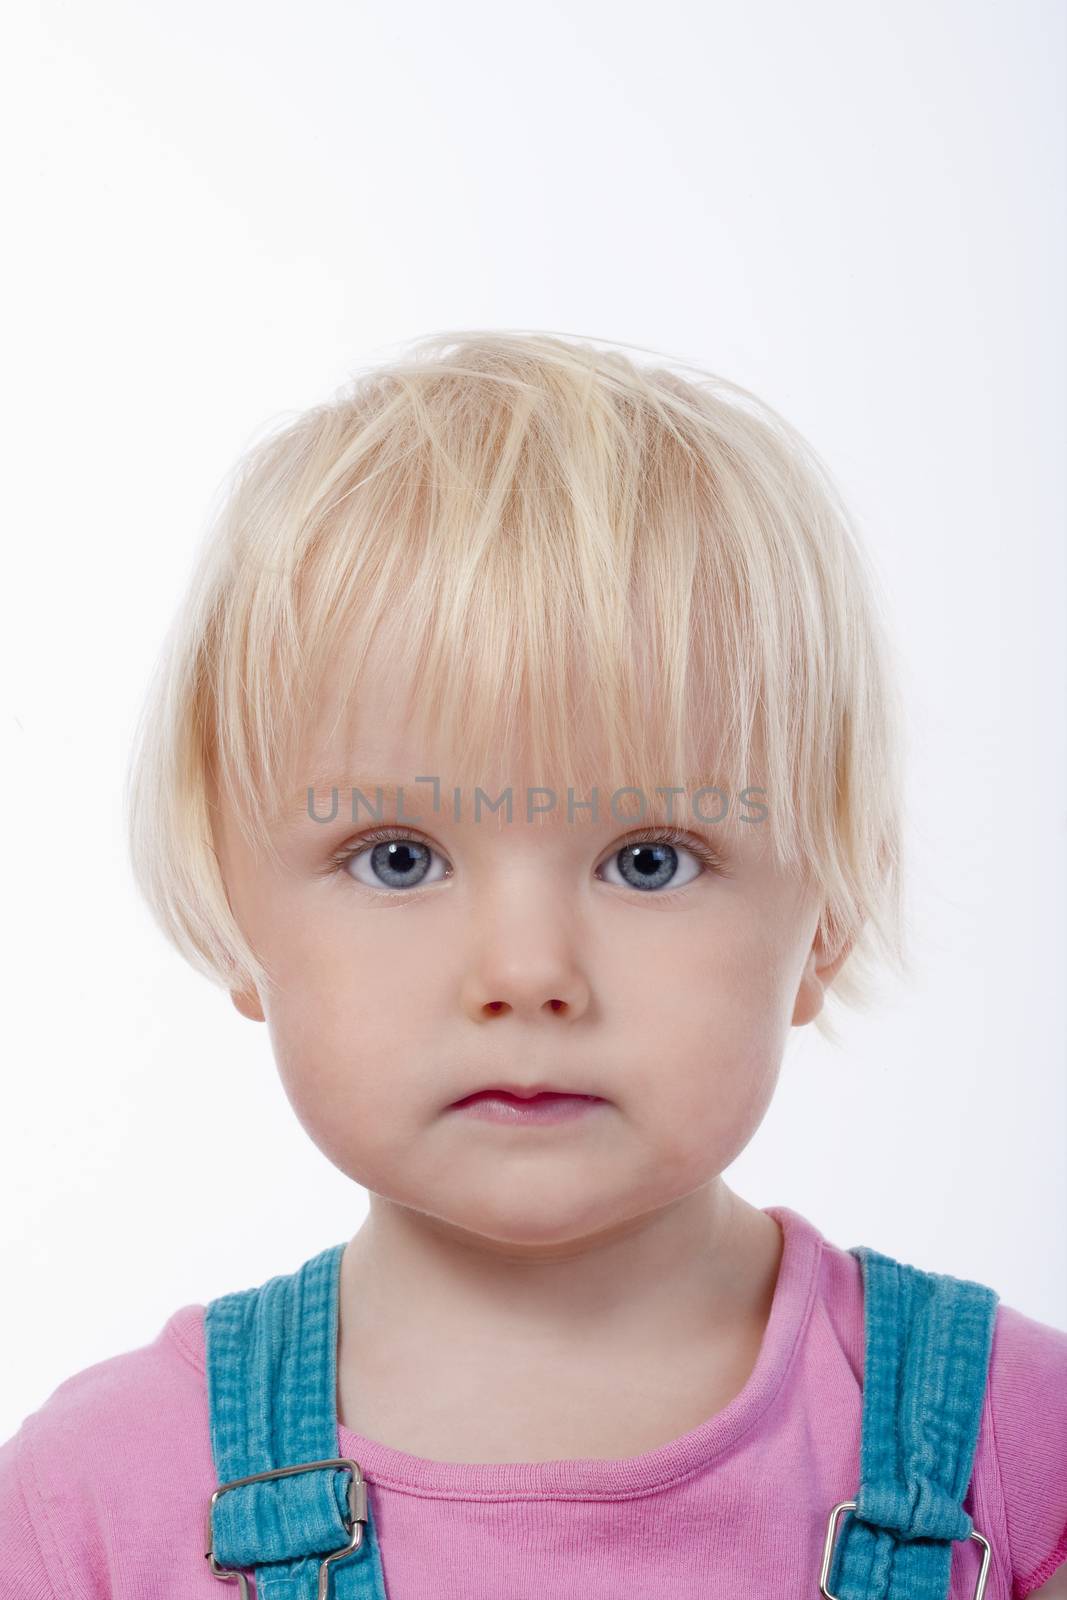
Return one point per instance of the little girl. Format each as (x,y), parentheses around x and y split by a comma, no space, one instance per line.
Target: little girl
(526,756)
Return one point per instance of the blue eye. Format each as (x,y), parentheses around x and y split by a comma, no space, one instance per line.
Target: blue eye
(397,860)
(650,864)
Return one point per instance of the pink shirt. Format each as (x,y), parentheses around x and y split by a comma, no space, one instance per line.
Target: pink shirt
(105,1488)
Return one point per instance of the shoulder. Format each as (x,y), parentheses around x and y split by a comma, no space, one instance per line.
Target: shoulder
(107,1437)
(102,1410)
(1024,1421)
(22,1559)
(1027,1393)
(1026,1353)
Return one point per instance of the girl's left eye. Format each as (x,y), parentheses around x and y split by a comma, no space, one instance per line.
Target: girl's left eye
(646,862)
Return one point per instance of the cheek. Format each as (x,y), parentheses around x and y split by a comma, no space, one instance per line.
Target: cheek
(337,1075)
(352,1051)
(712,987)
(716,1019)
(704,1107)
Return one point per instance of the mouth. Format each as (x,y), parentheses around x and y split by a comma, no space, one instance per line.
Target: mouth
(526,1092)
(527,1107)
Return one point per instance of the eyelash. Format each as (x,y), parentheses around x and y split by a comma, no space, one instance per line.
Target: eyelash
(658,835)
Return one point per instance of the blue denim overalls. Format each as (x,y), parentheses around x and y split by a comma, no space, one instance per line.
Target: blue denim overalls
(288,1507)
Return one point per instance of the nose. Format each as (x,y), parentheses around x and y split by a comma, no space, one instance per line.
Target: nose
(526,958)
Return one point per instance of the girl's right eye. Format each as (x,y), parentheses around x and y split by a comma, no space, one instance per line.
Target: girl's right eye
(392,858)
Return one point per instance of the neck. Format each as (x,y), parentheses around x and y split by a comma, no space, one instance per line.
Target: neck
(683,1277)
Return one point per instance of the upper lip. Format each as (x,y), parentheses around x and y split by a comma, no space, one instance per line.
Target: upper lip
(524,1091)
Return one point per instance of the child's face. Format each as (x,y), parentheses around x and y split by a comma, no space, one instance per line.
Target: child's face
(525,956)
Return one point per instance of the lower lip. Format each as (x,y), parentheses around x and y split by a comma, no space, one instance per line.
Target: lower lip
(543,1108)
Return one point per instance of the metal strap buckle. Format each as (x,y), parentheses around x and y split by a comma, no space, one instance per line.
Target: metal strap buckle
(828,1548)
(357,1516)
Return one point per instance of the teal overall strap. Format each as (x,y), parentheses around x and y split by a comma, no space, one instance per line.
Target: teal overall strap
(271,1379)
(928,1341)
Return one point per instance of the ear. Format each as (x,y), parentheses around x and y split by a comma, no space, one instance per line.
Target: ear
(247,1003)
(820,970)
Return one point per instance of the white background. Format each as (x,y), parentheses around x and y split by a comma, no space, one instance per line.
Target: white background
(214,212)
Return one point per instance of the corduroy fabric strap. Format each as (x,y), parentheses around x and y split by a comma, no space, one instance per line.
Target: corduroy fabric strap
(271,1377)
(928,1338)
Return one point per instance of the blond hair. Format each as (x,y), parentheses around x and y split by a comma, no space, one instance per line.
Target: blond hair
(547,536)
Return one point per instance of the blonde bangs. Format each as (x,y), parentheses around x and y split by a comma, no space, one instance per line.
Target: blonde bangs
(637,579)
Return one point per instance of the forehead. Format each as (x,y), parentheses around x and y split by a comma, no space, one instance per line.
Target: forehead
(365,732)
(363,744)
